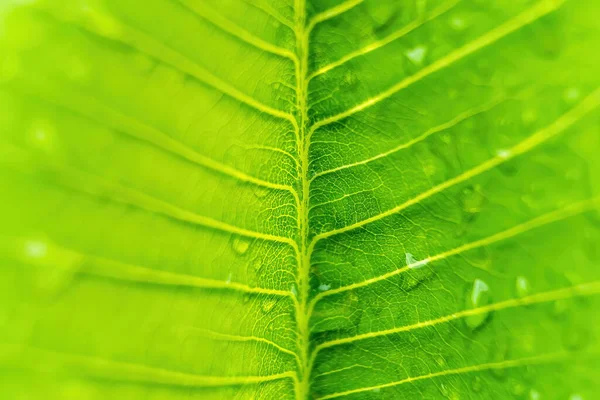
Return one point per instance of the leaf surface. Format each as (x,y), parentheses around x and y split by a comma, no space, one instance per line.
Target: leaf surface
(279,199)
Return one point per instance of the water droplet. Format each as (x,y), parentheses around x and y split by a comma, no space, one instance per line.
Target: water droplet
(36,249)
(522,286)
(476,384)
(376,390)
(240,245)
(412,263)
(294,290)
(472,199)
(478,296)
(571,95)
(575,396)
(503,153)
(534,395)
(417,273)
(228,281)
(417,55)
(268,305)
(324,288)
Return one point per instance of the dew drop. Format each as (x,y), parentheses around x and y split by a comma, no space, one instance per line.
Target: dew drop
(575,396)
(478,296)
(503,153)
(376,390)
(412,263)
(228,281)
(323,287)
(240,245)
(417,55)
(522,286)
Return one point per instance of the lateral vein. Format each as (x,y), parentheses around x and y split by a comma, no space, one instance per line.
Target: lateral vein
(160,51)
(586,289)
(532,14)
(558,126)
(91,108)
(387,40)
(131,372)
(436,129)
(554,216)
(205,12)
(541,359)
(93,185)
(329,14)
(239,338)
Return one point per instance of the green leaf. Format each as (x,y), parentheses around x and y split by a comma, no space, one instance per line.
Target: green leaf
(277,199)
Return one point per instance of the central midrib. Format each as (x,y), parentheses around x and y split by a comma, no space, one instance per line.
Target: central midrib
(302,315)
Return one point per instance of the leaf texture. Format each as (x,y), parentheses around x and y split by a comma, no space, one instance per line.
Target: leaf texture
(308,199)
